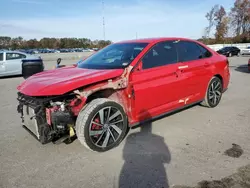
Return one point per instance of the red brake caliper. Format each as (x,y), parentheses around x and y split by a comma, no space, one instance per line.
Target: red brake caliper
(96,127)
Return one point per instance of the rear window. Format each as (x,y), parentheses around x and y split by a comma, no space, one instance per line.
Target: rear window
(204,52)
(188,51)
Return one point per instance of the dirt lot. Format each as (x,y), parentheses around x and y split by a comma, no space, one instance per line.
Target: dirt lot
(177,151)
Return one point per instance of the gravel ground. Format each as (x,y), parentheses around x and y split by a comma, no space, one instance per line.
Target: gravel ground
(188,147)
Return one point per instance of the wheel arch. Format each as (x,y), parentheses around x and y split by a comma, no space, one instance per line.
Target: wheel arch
(116,95)
(220,77)
(104,93)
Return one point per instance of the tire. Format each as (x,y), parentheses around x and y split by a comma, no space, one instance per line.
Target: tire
(213,90)
(105,135)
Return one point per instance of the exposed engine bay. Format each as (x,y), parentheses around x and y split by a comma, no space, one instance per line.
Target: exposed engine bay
(49,118)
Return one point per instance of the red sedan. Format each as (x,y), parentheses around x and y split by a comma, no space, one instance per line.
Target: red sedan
(120,86)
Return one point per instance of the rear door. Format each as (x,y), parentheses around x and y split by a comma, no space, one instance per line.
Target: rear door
(197,62)
(14,63)
(158,85)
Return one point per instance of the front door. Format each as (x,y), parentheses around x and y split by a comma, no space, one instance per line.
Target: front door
(158,85)
(14,63)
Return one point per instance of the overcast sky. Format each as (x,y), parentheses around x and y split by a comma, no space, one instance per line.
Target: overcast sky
(123,18)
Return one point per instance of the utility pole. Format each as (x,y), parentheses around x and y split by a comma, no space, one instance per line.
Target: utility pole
(103,20)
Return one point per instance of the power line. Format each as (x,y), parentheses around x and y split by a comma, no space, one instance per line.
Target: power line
(103,20)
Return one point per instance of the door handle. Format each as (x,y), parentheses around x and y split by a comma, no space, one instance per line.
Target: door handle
(206,64)
(183,67)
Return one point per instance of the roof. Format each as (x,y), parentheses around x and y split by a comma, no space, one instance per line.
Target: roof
(153,40)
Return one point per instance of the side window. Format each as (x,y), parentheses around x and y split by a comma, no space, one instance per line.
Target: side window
(1,56)
(161,54)
(188,51)
(11,56)
(23,56)
(204,52)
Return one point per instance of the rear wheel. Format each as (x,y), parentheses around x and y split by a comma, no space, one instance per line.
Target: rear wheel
(214,93)
(101,125)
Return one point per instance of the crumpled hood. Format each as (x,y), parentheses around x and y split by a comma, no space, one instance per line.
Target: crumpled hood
(63,80)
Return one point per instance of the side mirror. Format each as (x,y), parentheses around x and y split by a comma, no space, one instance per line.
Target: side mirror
(58,64)
(138,67)
(59,61)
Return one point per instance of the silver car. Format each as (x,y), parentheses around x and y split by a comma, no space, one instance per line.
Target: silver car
(11,62)
(245,51)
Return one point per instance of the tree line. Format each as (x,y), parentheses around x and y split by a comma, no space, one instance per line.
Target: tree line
(52,43)
(230,27)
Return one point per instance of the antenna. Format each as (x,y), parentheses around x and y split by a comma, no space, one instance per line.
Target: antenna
(103,20)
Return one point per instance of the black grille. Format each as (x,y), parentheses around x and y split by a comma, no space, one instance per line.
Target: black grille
(30,101)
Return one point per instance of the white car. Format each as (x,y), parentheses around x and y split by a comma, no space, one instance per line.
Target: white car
(245,51)
(11,62)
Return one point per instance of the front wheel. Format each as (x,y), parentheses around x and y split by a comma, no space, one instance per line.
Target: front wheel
(213,93)
(101,125)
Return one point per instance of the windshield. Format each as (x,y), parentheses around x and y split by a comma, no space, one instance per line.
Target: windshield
(114,56)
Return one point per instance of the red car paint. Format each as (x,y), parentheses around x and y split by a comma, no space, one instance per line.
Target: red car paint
(62,80)
(143,93)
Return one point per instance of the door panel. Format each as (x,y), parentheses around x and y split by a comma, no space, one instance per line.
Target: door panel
(196,77)
(154,88)
(158,85)
(14,63)
(14,66)
(196,74)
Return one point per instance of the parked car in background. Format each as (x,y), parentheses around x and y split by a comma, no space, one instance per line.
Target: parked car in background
(11,62)
(121,86)
(229,51)
(245,51)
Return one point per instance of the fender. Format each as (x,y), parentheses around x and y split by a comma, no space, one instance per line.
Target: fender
(120,95)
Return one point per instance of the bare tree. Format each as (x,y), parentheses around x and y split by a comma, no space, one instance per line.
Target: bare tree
(210,17)
(240,16)
(221,22)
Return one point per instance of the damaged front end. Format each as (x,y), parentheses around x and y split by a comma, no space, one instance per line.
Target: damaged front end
(50,118)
